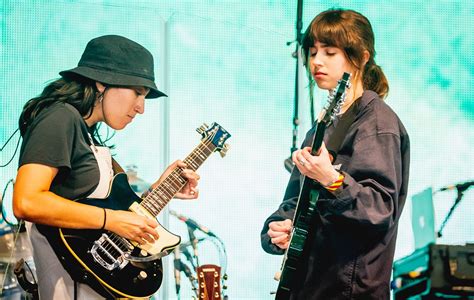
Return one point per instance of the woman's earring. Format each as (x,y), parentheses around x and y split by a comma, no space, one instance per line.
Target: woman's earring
(100,97)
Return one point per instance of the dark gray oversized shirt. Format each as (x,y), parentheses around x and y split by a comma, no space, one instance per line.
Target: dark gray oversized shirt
(355,230)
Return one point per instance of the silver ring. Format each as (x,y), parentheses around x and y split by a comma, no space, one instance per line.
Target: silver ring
(301,162)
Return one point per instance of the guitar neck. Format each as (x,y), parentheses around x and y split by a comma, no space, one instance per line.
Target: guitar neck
(160,196)
(336,100)
(318,137)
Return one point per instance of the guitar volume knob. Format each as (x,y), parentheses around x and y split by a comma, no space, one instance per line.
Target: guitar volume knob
(142,275)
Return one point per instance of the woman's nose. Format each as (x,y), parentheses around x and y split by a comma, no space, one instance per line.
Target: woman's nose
(140,107)
(316,60)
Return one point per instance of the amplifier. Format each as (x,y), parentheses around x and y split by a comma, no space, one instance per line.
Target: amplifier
(435,271)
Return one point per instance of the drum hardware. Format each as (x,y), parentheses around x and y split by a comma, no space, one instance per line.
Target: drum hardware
(30,286)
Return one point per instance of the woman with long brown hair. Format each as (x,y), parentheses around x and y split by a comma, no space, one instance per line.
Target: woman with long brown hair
(62,159)
(363,182)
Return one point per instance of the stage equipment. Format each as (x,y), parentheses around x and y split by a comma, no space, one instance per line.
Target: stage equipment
(435,272)
(288,163)
(26,278)
(14,245)
(202,278)
(460,188)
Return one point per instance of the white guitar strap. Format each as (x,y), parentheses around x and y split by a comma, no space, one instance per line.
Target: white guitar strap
(104,161)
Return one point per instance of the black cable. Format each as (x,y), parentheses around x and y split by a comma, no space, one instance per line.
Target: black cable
(16,148)
(221,247)
(75,290)
(30,287)
(109,136)
(222,259)
(31,272)
(98,138)
(11,136)
(3,200)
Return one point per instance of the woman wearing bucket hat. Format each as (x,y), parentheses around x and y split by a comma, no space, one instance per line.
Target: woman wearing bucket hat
(62,158)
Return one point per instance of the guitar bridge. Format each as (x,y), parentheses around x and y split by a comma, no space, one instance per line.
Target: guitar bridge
(111,253)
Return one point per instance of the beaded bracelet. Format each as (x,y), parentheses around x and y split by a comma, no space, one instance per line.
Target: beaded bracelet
(336,184)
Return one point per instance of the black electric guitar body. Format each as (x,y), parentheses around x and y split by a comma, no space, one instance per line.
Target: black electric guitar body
(99,258)
(296,254)
(114,266)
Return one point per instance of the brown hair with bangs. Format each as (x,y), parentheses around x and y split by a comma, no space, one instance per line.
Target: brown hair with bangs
(350,31)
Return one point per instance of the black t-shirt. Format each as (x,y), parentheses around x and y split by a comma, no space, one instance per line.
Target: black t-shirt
(58,137)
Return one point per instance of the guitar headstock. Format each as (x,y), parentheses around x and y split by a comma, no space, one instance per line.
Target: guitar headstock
(336,99)
(209,282)
(215,135)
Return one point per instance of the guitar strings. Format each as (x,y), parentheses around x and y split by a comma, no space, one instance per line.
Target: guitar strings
(166,189)
(160,197)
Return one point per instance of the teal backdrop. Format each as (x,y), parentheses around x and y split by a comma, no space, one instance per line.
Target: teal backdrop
(228,62)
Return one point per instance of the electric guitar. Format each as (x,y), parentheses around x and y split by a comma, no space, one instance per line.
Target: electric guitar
(306,206)
(209,278)
(112,265)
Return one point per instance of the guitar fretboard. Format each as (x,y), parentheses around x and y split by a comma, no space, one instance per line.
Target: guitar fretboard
(157,199)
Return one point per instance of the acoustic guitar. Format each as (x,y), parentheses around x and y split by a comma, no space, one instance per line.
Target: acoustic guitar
(209,282)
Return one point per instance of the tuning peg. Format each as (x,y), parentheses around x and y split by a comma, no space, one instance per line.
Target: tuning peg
(223,138)
(202,128)
(224,150)
(225,277)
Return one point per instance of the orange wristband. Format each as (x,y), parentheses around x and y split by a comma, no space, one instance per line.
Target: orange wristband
(336,184)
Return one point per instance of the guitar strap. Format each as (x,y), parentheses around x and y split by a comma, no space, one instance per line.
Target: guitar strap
(117,168)
(115,165)
(339,133)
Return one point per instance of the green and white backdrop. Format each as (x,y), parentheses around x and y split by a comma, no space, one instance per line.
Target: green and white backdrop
(228,62)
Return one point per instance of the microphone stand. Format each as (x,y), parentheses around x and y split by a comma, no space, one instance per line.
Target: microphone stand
(194,241)
(288,163)
(451,210)
(177,271)
(187,271)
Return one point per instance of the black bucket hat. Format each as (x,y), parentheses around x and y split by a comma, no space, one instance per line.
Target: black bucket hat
(116,60)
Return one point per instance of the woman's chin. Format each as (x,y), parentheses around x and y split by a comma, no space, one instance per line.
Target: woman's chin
(118,126)
(325,85)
